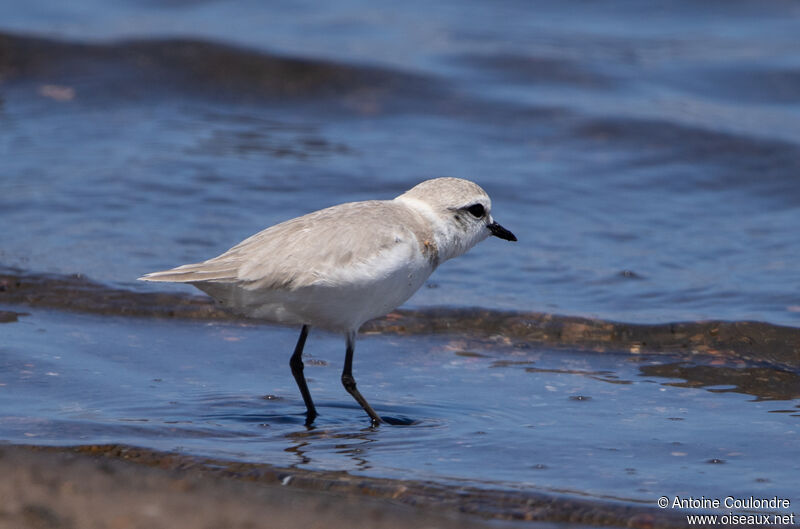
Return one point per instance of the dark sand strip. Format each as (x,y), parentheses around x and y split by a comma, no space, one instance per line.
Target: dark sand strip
(123,487)
(755,342)
(72,490)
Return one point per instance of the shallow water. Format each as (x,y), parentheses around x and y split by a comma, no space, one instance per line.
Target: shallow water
(646,158)
(607,426)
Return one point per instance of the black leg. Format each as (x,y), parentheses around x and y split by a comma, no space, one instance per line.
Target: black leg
(297,370)
(349,382)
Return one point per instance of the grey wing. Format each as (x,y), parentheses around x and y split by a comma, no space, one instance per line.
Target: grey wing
(316,248)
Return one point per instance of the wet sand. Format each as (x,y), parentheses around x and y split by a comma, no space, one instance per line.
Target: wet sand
(66,489)
(762,343)
(124,487)
(119,486)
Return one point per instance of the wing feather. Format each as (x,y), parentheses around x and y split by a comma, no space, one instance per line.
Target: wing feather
(323,247)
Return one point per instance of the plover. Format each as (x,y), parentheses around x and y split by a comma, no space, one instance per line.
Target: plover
(338,267)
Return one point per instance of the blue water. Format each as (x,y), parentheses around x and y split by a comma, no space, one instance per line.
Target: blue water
(645,155)
(661,141)
(532,420)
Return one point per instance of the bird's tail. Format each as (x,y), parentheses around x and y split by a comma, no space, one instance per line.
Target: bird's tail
(197,272)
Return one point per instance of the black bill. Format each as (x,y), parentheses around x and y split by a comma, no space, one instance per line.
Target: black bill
(499,231)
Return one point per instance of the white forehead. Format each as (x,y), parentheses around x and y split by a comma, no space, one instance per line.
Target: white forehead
(448,193)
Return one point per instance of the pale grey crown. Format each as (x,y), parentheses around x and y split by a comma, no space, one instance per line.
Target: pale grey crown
(450,194)
(463,210)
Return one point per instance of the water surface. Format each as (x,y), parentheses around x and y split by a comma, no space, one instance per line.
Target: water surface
(606,426)
(646,157)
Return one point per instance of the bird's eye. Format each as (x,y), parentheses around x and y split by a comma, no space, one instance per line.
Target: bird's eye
(476,210)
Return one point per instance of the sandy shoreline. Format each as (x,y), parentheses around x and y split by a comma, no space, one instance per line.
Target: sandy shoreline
(70,490)
(113,486)
(760,342)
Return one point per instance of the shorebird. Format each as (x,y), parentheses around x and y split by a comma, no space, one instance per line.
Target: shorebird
(338,267)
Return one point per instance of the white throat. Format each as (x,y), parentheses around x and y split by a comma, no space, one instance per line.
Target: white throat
(450,241)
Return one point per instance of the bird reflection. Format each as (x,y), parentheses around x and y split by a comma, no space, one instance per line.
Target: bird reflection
(352,444)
